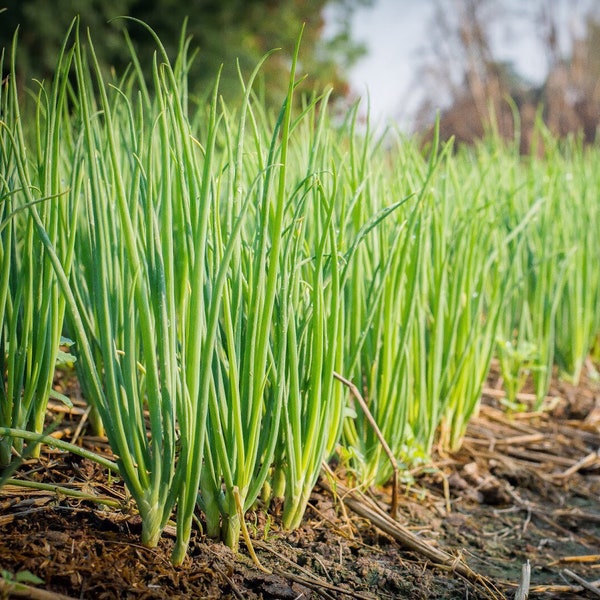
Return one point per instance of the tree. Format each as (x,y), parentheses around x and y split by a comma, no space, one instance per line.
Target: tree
(222,30)
(571,93)
(43,26)
(464,69)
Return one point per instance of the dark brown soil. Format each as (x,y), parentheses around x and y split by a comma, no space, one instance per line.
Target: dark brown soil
(524,487)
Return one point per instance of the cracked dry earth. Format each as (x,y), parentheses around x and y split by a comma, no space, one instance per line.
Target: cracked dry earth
(524,488)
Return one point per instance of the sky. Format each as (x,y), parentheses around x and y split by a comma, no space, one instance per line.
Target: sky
(396,34)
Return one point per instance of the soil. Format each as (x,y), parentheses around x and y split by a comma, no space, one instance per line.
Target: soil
(523,489)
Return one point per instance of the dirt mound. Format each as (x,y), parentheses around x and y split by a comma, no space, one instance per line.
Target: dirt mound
(524,489)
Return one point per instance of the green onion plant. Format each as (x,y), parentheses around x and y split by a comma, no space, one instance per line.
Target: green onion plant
(575,182)
(31,305)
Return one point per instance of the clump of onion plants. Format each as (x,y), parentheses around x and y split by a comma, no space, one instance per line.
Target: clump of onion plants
(191,295)
(142,309)
(380,302)
(574,183)
(31,305)
(541,262)
(460,296)
(256,362)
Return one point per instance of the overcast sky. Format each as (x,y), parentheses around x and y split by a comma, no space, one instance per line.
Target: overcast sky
(396,33)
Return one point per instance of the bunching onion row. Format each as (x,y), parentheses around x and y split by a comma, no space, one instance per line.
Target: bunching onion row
(222,271)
